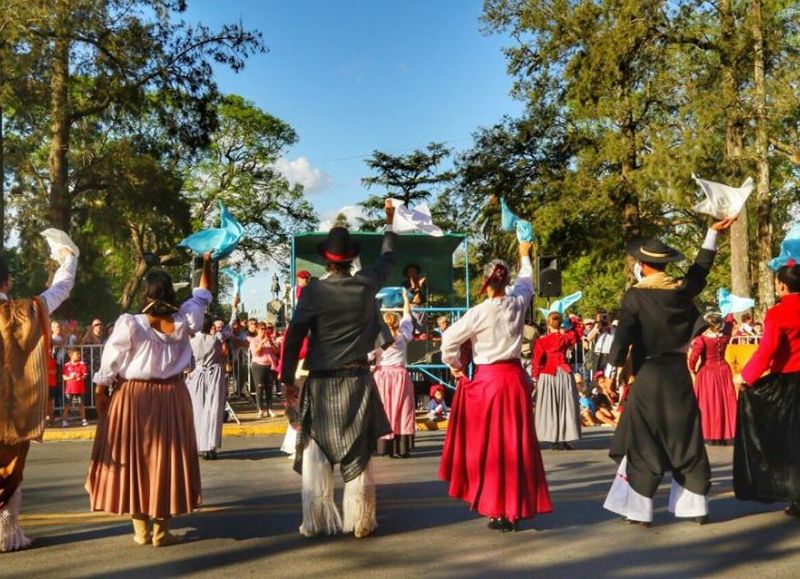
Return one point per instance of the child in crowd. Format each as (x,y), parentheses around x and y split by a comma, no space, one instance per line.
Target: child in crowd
(437,407)
(588,408)
(606,401)
(75,373)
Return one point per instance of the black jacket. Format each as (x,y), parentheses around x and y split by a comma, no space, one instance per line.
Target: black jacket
(340,317)
(654,322)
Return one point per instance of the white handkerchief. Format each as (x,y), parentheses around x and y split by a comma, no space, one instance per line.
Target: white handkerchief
(177,286)
(416,219)
(58,240)
(722,201)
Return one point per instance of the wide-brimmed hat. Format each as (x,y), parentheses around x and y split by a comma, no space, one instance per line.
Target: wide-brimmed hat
(652,251)
(339,247)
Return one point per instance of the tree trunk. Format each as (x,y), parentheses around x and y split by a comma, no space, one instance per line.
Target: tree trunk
(766,296)
(734,146)
(60,202)
(132,285)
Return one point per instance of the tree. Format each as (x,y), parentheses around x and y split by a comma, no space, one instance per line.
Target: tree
(341,221)
(238,169)
(96,61)
(412,178)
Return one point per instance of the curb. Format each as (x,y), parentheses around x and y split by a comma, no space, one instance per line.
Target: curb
(228,430)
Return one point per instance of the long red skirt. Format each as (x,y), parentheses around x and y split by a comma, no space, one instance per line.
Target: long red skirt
(716,398)
(491,454)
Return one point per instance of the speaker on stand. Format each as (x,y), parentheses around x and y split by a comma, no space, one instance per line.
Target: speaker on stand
(549,281)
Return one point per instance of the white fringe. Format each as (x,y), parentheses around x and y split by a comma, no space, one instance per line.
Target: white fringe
(11,536)
(289,442)
(359,504)
(685,503)
(320,514)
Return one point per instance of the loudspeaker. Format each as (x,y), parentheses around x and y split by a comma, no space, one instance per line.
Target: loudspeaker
(549,277)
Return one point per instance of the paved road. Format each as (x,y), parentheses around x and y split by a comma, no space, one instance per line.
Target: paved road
(248,526)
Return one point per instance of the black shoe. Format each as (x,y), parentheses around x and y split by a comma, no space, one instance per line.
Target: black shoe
(495,523)
(212,455)
(557,446)
(566,446)
(703,520)
(502,524)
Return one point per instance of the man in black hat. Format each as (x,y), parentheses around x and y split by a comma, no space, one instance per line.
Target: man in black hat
(341,414)
(659,430)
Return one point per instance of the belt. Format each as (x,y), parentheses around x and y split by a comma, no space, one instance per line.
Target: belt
(343,371)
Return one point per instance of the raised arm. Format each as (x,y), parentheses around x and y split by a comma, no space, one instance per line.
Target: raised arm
(523,287)
(296,333)
(696,276)
(379,271)
(193,310)
(63,282)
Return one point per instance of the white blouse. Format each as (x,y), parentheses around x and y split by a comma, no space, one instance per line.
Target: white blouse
(136,351)
(494,326)
(395,355)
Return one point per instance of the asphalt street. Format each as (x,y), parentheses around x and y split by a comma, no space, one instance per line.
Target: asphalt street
(248,525)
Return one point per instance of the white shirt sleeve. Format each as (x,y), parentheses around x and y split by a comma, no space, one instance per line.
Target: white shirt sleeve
(116,350)
(193,310)
(63,282)
(452,339)
(407,328)
(710,242)
(523,287)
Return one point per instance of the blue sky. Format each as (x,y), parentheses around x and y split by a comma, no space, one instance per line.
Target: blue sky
(354,76)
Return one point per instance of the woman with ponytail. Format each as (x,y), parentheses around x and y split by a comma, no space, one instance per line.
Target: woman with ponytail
(144,461)
(766,459)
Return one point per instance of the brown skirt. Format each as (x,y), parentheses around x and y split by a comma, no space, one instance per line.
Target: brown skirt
(144,460)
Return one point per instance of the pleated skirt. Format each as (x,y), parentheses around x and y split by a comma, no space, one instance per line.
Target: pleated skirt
(207,388)
(716,398)
(766,455)
(558,416)
(491,456)
(144,459)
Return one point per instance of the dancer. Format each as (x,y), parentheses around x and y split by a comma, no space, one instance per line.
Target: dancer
(208,387)
(340,413)
(395,385)
(713,381)
(144,460)
(491,455)
(24,333)
(659,430)
(766,459)
(558,418)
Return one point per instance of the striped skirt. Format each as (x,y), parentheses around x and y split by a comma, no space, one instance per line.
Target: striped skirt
(144,459)
(343,414)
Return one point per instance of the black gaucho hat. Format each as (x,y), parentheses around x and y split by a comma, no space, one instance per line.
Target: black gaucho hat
(339,247)
(652,251)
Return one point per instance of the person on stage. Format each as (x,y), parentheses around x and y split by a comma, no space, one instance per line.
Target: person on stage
(395,385)
(340,414)
(766,459)
(713,381)
(558,418)
(660,431)
(491,456)
(24,333)
(144,461)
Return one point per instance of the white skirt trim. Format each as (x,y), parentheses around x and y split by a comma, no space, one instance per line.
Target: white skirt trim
(625,501)
(11,536)
(685,503)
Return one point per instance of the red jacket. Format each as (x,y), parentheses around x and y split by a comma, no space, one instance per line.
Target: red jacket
(550,351)
(779,349)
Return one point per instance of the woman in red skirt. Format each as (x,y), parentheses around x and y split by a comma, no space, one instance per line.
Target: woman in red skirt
(491,456)
(713,382)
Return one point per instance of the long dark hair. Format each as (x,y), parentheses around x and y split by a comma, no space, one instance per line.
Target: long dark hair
(159,295)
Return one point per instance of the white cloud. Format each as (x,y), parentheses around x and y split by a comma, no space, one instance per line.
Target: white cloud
(300,171)
(352,212)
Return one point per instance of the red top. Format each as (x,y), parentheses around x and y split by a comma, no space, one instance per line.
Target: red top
(75,378)
(779,349)
(550,351)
